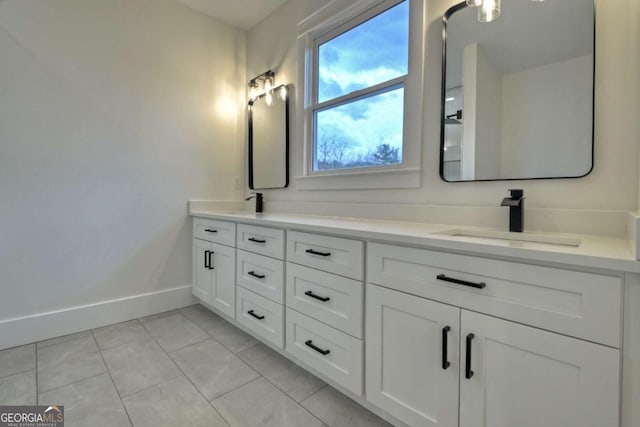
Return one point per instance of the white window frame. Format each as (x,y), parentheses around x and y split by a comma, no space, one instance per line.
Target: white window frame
(336,18)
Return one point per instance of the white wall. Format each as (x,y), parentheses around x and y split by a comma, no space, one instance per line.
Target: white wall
(537,114)
(482,93)
(612,185)
(113,114)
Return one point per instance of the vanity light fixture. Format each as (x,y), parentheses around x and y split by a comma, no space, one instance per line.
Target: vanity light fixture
(267,79)
(474,2)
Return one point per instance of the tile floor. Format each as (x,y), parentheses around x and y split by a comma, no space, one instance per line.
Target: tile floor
(187,367)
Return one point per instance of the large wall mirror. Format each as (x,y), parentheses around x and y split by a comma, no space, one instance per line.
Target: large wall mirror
(269,140)
(517,93)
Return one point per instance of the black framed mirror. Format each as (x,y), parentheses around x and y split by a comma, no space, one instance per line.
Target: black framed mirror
(518,92)
(269,140)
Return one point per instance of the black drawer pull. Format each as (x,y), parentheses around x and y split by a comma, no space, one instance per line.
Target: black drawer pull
(210,230)
(468,373)
(479,285)
(312,295)
(256,275)
(254,240)
(445,347)
(206,259)
(312,252)
(251,313)
(211,262)
(309,343)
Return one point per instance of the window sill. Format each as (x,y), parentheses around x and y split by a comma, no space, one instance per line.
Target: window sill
(365,180)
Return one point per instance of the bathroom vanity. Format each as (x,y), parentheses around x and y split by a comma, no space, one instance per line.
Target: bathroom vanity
(433,325)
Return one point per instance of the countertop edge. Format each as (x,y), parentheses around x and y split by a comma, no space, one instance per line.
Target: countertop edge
(439,242)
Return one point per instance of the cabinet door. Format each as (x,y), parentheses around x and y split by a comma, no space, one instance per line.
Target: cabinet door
(201,273)
(526,377)
(405,375)
(223,279)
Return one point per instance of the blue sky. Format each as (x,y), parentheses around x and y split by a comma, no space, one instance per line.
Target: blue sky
(373,52)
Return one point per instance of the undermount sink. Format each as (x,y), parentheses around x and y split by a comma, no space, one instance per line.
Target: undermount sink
(514,237)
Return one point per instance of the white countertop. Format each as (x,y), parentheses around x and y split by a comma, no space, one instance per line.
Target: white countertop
(597,252)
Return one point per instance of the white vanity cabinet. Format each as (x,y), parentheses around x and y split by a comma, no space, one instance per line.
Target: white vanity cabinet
(260,280)
(412,369)
(427,336)
(324,298)
(214,264)
(508,374)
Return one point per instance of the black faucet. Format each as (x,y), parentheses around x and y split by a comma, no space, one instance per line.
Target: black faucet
(259,201)
(516,209)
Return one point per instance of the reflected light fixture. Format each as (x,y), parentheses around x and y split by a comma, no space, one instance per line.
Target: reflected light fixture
(489,10)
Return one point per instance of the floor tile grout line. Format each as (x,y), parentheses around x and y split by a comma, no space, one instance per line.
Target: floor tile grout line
(275,385)
(224,394)
(184,346)
(73,382)
(192,321)
(111,378)
(299,403)
(195,386)
(314,393)
(236,388)
(20,372)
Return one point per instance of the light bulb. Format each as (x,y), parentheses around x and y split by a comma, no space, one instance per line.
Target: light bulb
(283,93)
(474,2)
(489,10)
(268,98)
(252,89)
(268,84)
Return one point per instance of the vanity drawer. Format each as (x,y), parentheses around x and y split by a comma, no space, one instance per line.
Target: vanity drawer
(211,230)
(260,315)
(583,305)
(332,254)
(262,240)
(331,299)
(325,349)
(261,274)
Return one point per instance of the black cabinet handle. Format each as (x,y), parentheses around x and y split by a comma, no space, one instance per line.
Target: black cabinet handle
(210,262)
(468,373)
(210,230)
(254,240)
(312,252)
(251,313)
(256,275)
(309,343)
(206,259)
(312,295)
(445,347)
(479,285)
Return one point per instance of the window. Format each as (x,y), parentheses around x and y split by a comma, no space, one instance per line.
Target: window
(358,116)
(362,78)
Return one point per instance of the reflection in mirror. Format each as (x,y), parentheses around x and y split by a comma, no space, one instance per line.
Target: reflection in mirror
(517,95)
(269,140)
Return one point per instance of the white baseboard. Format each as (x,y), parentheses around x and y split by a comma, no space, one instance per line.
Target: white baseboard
(37,327)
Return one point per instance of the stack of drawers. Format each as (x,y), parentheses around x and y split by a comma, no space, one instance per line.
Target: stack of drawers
(324,300)
(260,280)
